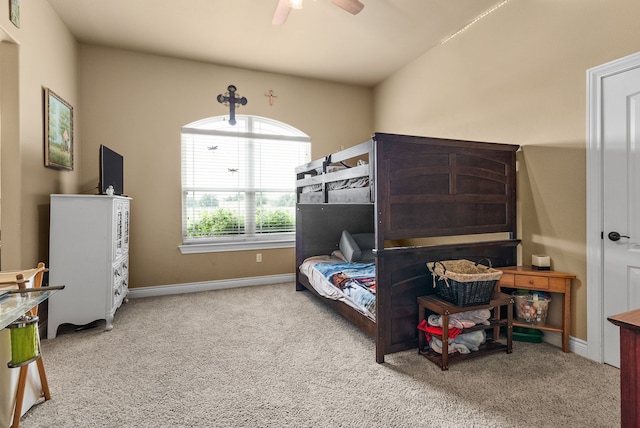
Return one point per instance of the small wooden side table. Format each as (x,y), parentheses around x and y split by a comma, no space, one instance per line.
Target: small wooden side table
(444,308)
(542,280)
(629,323)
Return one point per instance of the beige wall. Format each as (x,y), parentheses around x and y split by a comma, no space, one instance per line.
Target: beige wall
(136,104)
(519,76)
(41,53)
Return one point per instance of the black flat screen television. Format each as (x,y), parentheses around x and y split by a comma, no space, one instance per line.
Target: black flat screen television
(111,171)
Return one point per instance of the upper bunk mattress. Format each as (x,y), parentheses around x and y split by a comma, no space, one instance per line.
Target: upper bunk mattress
(352,183)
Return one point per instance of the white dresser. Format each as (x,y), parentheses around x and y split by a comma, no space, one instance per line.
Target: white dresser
(89,254)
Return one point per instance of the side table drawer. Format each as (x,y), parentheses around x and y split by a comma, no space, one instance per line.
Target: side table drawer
(507,280)
(530,281)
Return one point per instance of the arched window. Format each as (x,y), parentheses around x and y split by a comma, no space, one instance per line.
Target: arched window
(238,183)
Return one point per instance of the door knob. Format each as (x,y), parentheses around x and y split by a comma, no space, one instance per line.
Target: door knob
(615,236)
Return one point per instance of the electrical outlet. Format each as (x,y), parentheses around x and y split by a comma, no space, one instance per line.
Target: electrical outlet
(258,257)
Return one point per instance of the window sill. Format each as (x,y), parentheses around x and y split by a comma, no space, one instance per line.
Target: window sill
(220,247)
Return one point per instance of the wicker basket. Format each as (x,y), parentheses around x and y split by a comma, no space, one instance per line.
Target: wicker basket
(463,282)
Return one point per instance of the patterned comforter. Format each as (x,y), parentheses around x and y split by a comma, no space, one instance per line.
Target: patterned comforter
(351,283)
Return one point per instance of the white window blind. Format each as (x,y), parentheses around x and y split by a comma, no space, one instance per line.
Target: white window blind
(238,182)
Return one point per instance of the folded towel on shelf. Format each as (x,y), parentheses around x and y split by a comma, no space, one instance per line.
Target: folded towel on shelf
(463,319)
(463,343)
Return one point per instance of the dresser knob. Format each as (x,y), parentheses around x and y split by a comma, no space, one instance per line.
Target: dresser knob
(531,281)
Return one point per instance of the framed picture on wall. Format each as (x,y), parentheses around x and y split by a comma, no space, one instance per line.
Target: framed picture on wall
(14,12)
(58,131)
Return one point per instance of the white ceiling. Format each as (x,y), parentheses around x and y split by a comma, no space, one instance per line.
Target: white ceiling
(319,41)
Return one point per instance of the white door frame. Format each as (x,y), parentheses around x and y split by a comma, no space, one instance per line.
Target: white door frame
(595,283)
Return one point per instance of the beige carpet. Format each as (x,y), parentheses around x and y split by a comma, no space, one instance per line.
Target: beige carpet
(273,357)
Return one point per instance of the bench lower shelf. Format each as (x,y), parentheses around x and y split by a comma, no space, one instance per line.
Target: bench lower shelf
(489,347)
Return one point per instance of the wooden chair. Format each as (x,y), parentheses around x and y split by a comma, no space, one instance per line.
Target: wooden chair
(22,376)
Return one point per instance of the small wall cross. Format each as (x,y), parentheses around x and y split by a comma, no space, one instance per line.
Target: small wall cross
(271,96)
(231,100)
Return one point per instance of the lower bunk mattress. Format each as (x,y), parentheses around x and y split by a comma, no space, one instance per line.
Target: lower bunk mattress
(352,283)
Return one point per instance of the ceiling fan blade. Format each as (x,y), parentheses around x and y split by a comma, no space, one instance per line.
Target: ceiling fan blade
(352,6)
(282,12)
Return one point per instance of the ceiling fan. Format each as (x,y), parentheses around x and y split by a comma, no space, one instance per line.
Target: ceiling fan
(284,7)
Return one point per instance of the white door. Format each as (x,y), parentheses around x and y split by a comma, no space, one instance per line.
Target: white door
(621,203)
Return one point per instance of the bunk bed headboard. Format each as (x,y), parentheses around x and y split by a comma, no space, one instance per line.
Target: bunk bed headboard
(321,226)
(427,187)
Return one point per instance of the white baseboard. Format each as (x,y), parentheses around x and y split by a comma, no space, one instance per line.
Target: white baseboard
(193,287)
(577,346)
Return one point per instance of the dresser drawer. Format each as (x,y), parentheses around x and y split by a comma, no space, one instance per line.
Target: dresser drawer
(532,282)
(119,283)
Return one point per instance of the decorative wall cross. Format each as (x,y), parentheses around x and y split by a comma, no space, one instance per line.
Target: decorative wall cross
(230,99)
(271,96)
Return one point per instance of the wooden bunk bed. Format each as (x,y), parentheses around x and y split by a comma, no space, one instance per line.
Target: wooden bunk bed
(408,187)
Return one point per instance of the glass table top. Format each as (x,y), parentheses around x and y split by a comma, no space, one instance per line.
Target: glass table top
(13,305)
